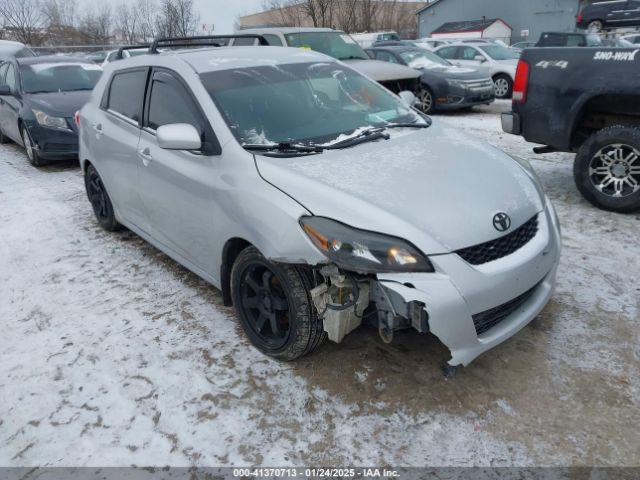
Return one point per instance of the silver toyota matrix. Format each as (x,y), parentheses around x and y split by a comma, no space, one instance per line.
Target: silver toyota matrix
(317,200)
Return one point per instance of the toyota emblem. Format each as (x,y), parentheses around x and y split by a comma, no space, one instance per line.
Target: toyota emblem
(501,222)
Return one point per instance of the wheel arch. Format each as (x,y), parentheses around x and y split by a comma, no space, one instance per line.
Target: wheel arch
(603,111)
(230,252)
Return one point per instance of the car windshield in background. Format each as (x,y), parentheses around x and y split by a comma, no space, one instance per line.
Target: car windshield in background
(335,44)
(59,77)
(422,58)
(498,52)
(304,103)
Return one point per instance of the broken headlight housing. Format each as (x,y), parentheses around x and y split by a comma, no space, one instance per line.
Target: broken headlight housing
(363,251)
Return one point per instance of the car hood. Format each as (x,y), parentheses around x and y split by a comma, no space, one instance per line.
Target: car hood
(59,104)
(437,187)
(382,71)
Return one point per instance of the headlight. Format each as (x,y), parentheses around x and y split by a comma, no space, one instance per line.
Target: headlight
(49,121)
(363,251)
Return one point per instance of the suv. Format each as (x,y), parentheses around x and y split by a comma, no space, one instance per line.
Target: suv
(611,14)
(340,46)
(317,200)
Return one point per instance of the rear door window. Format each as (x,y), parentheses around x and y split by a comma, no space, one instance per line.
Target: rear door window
(126,93)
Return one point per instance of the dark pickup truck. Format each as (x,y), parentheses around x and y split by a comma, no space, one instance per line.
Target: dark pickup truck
(584,100)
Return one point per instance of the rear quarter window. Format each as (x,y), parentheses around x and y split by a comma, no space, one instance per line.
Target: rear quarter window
(126,93)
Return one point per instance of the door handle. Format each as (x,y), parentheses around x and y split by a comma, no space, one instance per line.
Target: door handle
(98,128)
(145,155)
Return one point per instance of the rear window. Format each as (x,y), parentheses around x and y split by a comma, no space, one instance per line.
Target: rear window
(126,93)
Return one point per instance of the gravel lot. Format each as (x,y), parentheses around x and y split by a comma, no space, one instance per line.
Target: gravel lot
(112,354)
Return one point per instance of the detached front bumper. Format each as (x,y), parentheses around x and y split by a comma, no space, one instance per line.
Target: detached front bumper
(53,143)
(471,308)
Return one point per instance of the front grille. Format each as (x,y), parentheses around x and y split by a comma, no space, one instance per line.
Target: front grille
(488,319)
(479,84)
(501,247)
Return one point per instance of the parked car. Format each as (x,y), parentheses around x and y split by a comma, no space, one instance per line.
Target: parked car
(124,52)
(431,43)
(610,14)
(443,85)
(97,57)
(38,99)
(340,46)
(496,61)
(522,45)
(366,40)
(565,39)
(10,50)
(584,101)
(309,194)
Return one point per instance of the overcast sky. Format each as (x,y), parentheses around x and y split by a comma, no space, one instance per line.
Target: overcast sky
(223,13)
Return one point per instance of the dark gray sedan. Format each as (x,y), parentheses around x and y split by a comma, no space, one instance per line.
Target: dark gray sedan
(443,85)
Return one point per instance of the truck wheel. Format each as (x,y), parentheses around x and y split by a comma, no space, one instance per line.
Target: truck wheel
(502,86)
(274,306)
(595,26)
(100,201)
(426,102)
(607,169)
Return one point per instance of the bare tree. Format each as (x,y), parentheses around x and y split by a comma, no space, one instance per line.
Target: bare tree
(96,25)
(176,18)
(59,17)
(22,19)
(127,23)
(146,12)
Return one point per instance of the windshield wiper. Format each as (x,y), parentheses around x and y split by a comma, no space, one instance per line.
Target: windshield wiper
(352,57)
(407,125)
(283,147)
(369,135)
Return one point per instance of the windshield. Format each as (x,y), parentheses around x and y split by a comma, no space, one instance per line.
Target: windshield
(335,44)
(499,53)
(59,77)
(303,103)
(422,58)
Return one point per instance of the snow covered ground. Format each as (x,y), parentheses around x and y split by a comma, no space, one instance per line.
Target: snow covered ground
(112,354)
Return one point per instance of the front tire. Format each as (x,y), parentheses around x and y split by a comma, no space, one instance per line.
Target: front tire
(606,169)
(425,100)
(3,138)
(32,152)
(502,86)
(100,201)
(274,306)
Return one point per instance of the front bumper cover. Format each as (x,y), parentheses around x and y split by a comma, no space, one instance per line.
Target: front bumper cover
(446,303)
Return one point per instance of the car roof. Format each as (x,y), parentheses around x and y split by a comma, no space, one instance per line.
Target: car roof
(210,59)
(285,30)
(51,59)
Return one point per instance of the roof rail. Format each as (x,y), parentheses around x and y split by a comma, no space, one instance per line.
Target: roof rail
(119,55)
(206,40)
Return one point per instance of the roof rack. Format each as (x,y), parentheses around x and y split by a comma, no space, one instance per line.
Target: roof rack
(119,55)
(206,40)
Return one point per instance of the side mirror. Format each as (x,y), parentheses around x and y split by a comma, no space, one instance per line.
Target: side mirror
(479,58)
(408,98)
(178,136)
(5,90)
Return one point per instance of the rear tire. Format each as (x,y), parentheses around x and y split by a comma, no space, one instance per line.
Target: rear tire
(606,169)
(274,306)
(100,201)
(502,86)
(29,147)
